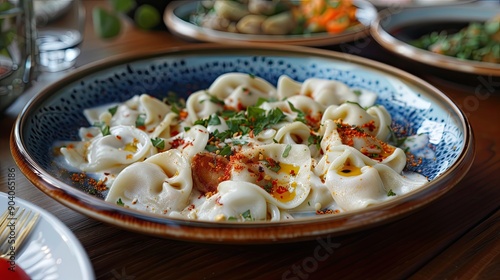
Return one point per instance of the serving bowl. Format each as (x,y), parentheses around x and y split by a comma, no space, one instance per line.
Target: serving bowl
(56,114)
(396,30)
(177,13)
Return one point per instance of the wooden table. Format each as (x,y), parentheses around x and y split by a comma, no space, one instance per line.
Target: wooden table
(455,237)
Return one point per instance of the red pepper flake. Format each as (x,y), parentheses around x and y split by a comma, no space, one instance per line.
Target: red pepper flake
(82,179)
(217,201)
(240,106)
(89,135)
(370,126)
(327,211)
(118,137)
(281,189)
(314,121)
(177,142)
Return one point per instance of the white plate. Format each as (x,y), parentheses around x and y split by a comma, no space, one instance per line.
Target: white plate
(51,251)
(177,11)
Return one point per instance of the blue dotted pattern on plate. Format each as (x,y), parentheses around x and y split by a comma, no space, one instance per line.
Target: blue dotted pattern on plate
(60,117)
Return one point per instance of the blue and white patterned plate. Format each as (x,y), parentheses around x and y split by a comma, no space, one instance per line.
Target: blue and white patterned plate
(56,114)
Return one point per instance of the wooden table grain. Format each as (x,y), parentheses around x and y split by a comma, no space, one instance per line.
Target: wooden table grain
(454,237)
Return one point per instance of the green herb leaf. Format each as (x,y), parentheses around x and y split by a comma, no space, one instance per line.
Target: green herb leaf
(120,202)
(213,120)
(247,216)
(211,148)
(314,140)
(113,110)
(391,193)
(226,151)
(103,127)
(268,187)
(301,117)
(286,152)
(141,120)
(158,143)
(272,164)
(215,100)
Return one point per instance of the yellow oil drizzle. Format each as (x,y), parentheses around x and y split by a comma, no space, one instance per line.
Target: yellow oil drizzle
(288,169)
(130,147)
(285,196)
(349,170)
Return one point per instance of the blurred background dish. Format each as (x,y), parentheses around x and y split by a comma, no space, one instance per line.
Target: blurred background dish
(48,10)
(177,15)
(416,3)
(399,31)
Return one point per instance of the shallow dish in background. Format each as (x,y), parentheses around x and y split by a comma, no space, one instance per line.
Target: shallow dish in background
(416,3)
(177,11)
(395,31)
(56,114)
(51,251)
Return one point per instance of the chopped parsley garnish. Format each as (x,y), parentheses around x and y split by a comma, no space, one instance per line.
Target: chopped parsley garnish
(226,151)
(215,100)
(394,139)
(113,110)
(141,120)
(176,103)
(301,116)
(103,127)
(158,143)
(271,164)
(355,103)
(357,92)
(247,216)
(314,140)
(268,187)
(211,148)
(213,120)
(286,152)
(391,193)
(243,122)
(259,119)
(120,202)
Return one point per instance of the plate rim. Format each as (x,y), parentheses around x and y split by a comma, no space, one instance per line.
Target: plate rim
(412,4)
(240,233)
(77,249)
(190,31)
(391,43)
